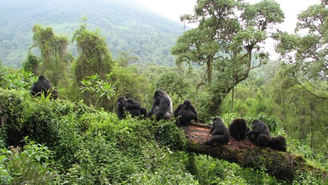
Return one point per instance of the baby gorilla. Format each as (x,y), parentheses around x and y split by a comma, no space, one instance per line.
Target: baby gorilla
(238,129)
(220,133)
(186,112)
(133,107)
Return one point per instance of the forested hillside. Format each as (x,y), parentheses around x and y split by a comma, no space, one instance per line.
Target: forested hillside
(80,131)
(126,25)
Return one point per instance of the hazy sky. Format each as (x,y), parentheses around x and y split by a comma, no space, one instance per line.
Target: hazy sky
(174,8)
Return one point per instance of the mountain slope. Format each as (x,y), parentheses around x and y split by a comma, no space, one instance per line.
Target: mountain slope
(126,25)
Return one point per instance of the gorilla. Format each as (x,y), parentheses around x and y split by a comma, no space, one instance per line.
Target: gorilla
(186,112)
(219,131)
(130,105)
(238,129)
(278,143)
(260,134)
(162,106)
(43,86)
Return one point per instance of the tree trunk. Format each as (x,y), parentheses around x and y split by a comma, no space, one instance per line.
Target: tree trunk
(282,165)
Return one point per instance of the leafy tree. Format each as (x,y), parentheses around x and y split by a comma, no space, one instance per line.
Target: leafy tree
(54,57)
(97,89)
(305,52)
(227,40)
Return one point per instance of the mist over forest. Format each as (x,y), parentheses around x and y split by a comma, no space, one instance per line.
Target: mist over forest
(126,25)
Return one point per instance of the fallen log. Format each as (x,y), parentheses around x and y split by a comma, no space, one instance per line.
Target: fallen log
(282,165)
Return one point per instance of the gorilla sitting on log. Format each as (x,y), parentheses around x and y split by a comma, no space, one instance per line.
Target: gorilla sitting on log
(260,135)
(278,143)
(238,129)
(131,106)
(220,133)
(43,86)
(162,106)
(186,112)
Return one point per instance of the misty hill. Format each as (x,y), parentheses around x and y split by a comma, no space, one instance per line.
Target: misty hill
(126,25)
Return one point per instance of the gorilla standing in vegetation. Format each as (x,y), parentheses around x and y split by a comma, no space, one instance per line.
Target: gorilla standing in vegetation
(260,134)
(186,112)
(133,107)
(219,131)
(162,106)
(43,86)
(238,129)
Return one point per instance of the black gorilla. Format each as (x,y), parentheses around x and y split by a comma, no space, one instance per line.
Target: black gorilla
(278,143)
(186,112)
(219,131)
(133,107)
(238,129)
(260,134)
(162,106)
(43,86)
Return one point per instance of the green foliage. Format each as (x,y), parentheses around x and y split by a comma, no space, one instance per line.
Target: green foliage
(128,82)
(169,135)
(30,166)
(31,63)
(173,83)
(97,89)
(18,81)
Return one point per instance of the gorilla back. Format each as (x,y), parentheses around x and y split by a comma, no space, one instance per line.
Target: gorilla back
(219,131)
(238,129)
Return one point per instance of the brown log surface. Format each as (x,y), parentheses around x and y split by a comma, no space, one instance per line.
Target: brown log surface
(282,165)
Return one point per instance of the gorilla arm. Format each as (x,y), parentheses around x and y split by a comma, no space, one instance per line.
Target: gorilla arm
(177,110)
(192,108)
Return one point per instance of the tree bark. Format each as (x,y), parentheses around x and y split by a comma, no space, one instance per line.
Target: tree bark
(282,165)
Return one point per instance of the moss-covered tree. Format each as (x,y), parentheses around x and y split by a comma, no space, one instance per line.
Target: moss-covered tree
(94,58)
(54,56)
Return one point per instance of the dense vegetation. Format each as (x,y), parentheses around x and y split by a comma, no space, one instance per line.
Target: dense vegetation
(78,139)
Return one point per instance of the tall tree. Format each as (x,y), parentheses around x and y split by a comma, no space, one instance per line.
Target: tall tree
(305,52)
(94,57)
(227,40)
(54,57)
